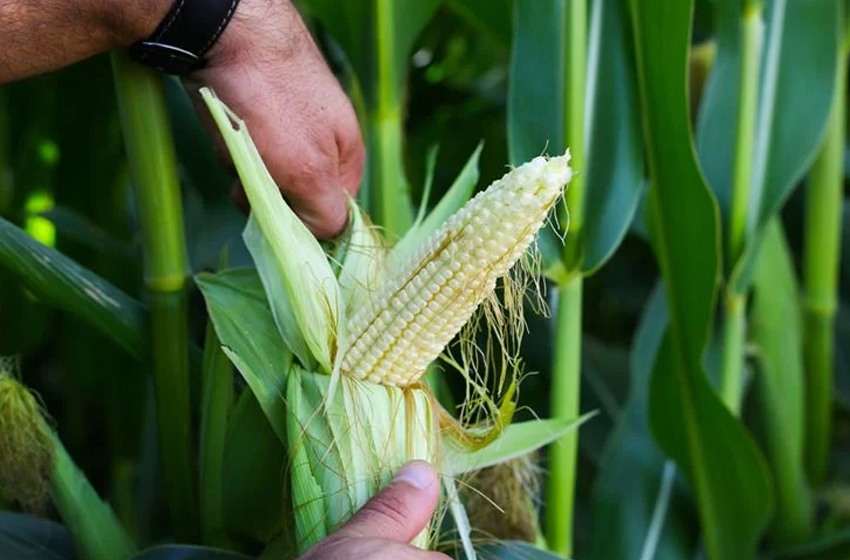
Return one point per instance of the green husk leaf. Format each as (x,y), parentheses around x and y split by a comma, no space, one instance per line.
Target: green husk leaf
(362,255)
(515,441)
(457,195)
(281,306)
(462,525)
(246,328)
(308,499)
(347,446)
(299,261)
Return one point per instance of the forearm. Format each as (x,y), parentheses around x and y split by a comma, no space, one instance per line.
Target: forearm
(42,35)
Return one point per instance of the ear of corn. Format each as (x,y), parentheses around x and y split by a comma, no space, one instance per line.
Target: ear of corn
(26,449)
(35,464)
(415,314)
(371,324)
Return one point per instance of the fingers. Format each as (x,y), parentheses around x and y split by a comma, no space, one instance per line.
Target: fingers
(400,511)
(300,119)
(382,529)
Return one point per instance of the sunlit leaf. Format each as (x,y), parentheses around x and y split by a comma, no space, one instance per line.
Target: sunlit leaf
(63,283)
(517,440)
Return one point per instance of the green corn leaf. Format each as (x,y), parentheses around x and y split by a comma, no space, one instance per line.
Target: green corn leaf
(799,67)
(78,228)
(216,403)
(97,533)
(634,496)
(833,545)
(536,87)
(243,321)
(614,159)
(299,264)
(254,482)
(613,172)
(61,282)
(726,470)
(779,386)
(515,441)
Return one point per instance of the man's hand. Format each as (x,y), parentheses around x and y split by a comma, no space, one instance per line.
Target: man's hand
(382,529)
(265,66)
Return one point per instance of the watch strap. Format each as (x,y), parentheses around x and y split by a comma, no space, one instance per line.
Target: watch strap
(188,31)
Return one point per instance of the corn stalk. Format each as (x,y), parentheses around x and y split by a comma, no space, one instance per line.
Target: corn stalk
(821,256)
(566,365)
(153,171)
(734,320)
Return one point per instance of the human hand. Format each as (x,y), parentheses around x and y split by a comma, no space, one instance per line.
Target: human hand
(382,529)
(267,68)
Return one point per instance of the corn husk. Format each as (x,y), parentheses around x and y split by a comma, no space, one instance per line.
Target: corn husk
(353,410)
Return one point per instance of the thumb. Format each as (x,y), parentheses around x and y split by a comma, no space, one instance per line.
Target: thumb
(400,511)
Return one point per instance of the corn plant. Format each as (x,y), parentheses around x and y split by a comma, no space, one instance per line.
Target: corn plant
(213,379)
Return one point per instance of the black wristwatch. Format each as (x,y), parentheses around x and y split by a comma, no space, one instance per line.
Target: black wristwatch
(188,31)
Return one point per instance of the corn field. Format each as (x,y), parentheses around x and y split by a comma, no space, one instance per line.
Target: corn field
(593,275)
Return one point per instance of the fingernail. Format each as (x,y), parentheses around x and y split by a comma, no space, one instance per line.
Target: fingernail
(418,474)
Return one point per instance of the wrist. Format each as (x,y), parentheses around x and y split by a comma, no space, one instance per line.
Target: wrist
(260,30)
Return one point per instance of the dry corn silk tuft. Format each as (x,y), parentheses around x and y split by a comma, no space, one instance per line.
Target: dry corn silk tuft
(358,326)
(26,448)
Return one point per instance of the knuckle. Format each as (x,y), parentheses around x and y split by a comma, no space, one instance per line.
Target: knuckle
(388,511)
(309,171)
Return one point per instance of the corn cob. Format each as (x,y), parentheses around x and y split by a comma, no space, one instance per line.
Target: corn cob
(416,312)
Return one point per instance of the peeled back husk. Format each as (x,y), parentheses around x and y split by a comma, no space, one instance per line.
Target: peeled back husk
(344,450)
